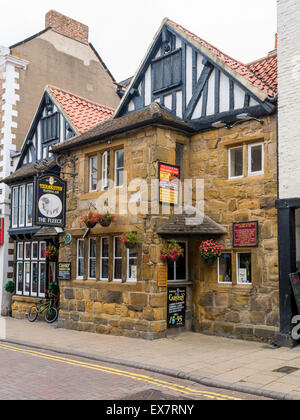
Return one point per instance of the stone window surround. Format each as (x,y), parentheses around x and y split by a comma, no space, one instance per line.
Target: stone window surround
(234,261)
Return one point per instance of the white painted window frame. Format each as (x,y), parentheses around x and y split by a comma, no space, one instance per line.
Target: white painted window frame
(25,244)
(116,238)
(186,265)
(92,258)
(224,282)
(15,208)
(22,205)
(103,258)
(104,170)
(18,291)
(26,263)
(230,176)
(42,263)
(31,278)
(32,244)
(130,280)
(79,241)
(27,205)
(238,272)
(250,147)
(40,250)
(118,168)
(91,158)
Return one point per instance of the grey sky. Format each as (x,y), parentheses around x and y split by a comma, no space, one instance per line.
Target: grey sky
(122,31)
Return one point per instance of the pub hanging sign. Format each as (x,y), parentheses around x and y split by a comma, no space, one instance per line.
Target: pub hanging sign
(50,201)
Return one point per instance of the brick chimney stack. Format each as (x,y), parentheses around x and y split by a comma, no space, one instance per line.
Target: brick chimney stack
(67,26)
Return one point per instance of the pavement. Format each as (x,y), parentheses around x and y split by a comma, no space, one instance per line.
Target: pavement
(242,366)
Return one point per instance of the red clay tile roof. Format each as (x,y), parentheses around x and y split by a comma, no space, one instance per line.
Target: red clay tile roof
(82,113)
(266,69)
(239,67)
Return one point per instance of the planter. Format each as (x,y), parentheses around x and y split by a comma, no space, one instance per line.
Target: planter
(130,245)
(105,223)
(90,225)
(210,260)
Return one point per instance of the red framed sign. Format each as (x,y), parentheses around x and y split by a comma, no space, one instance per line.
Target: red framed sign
(1,231)
(245,234)
(169,181)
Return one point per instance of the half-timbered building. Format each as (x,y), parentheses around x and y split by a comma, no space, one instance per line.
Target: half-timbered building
(194,113)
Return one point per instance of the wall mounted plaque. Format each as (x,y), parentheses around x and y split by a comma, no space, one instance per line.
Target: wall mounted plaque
(245,234)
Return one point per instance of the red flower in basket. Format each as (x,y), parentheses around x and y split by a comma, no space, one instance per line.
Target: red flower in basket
(171,251)
(106,219)
(210,250)
(129,239)
(90,220)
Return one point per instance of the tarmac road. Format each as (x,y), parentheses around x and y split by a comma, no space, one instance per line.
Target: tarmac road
(32,374)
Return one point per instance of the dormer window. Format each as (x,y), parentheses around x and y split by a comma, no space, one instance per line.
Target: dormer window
(167,71)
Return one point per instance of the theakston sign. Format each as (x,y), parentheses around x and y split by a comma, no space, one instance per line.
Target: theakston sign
(50,201)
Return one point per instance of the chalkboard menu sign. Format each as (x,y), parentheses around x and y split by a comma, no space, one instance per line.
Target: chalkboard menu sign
(295,282)
(176,307)
(64,271)
(245,234)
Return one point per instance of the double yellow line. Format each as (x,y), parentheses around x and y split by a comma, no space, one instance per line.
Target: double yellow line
(138,377)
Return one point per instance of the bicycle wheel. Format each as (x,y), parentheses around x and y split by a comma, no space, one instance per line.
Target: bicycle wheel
(51,315)
(33,313)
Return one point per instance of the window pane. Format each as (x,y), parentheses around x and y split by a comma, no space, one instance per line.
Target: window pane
(225,268)
(104,269)
(34,278)
(80,268)
(93,173)
(171,270)
(236,159)
(22,206)
(27,278)
(118,269)
(20,251)
(118,248)
(104,247)
(15,207)
(93,246)
(42,250)
(42,278)
(132,263)
(80,249)
(29,204)
(181,265)
(20,277)
(27,251)
(256,159)
(244,268)
(35,250)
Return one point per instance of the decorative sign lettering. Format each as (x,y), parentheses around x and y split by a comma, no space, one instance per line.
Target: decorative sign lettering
(169,180)
(64,271)
(295,282)
(245,234)
(176,307)
(50,201)
(162,276)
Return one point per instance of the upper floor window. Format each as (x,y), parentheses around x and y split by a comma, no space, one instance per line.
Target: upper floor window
(29,204)
(15,206)
(119,168)
(256,159)
(104,170)
(236,164)
(22,206)
(167,71)
(93,173)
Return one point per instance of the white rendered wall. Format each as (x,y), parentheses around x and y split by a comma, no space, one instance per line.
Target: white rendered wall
(289,98)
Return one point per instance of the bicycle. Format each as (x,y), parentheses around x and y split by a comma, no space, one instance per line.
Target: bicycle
(51,312)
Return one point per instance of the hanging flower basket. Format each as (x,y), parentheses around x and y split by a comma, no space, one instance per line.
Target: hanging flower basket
(129,239)
(51,252)
(90,220)
(210,250)
(171,251)
(106,219)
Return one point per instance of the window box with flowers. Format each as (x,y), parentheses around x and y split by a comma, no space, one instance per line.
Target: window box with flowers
(210,251)
(90,220)
(106,219)
(129,239)
(171,251)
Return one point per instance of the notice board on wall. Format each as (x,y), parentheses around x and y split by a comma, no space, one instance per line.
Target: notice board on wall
(169,181)
(176,307)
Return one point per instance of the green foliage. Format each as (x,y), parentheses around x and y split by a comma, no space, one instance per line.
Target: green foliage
(10,287)
(54,288)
